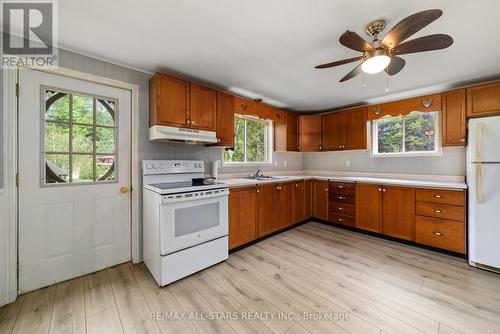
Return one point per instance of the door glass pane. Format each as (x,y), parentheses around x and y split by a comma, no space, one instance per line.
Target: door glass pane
(83,109)
(56,137)
(105,167)
(105,140)
(83,168)
(82,139)
(390,135)
(56,106)
(196,218)
(56,168)
(420,134)
(256,143)
(104,112)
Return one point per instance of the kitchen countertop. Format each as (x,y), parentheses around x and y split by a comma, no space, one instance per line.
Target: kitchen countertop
(408,182)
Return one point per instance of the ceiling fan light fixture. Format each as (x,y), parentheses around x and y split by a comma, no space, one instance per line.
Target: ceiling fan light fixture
(375,64)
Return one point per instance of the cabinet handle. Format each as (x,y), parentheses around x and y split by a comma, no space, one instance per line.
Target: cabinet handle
(462,140)
(326,189)
(340,187)
(379,189)
(341,197)
(340,209)
(258,190)
(384,190)
(296,184)
(439,234)
(218,140)
(188,121)
(438,196)
(340,219)
(321,147)
(438,211)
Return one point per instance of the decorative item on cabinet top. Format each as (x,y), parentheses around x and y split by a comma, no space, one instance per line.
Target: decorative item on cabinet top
(252,108)
(404,107)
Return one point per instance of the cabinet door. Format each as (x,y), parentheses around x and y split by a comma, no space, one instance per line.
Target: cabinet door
(285,204)
(202,108)
(298,201)
(369,207)
(454,123)
(267,213)
(310,133)
(225,120)
(168,101)
(286,134)
(399,212)
(308,196)
(333,131)
(320,199)
(242,216)
(354,129)
(483,100)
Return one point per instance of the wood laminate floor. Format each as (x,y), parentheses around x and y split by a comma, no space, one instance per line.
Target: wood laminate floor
(377,286)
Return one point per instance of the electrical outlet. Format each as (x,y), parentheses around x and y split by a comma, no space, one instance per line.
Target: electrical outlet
(347,163)
(275,163)
(285,163)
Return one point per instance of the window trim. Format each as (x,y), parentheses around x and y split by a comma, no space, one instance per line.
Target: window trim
(43,92)
(437,141)
(268,136)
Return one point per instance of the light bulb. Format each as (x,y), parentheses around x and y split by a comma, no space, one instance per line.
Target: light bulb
(375,64)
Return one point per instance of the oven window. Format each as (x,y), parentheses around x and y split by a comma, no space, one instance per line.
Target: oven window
(196,219)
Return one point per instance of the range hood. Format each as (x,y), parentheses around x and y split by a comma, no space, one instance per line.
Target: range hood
(170,133)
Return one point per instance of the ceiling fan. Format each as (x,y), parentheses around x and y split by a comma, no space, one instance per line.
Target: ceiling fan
(385,54)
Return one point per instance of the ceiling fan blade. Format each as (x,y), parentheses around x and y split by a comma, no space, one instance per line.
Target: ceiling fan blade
(426,43)
(357,70)
(353,41)
(409,26)
(339,62)
(396,65)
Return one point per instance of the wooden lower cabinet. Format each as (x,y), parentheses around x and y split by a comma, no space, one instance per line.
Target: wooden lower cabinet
(242,216)
(267,213)
(298,201)
(320,199)
(369,207)
(286,214)
(440,233)
(308,197)
(398,213)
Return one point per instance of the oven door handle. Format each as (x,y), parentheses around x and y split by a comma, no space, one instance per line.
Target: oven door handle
(177,198)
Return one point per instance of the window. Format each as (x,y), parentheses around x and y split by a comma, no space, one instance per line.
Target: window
(252,141)
(415,133)
(79,136)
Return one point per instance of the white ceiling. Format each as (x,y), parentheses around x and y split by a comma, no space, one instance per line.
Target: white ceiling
(269,48)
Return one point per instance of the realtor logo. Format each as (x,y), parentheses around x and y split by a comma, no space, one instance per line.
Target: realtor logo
(29,33)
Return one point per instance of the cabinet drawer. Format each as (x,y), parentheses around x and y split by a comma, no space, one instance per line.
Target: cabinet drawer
(441,196)
(342,187)
(439,233)
(344,209)
(340,219)
(441,211)
(341,198)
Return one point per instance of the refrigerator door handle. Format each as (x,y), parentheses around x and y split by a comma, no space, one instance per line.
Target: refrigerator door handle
(479,142)
(479,183)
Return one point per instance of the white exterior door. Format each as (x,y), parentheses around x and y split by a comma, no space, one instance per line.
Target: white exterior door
(74,167)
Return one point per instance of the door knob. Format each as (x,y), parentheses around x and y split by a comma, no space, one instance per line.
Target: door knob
(123,190)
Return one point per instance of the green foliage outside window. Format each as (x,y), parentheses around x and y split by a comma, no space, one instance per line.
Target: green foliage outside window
(415,132)
(250,134)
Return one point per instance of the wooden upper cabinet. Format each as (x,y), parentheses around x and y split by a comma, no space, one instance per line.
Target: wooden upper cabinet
(225,120)
(267,215)
(454,118)
(202,102)
(355,129)
(483,100)
(242,216)
(310,133)
(333,131)
(320,199)
(285,204)
(399,212)
(168,101)
(369,207)
(404,107)
(286,135)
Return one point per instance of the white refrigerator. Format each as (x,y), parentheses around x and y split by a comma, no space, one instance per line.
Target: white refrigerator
(483,179)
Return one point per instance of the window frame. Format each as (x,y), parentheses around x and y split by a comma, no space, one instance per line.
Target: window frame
(268,136)
(42,162)
(437,141)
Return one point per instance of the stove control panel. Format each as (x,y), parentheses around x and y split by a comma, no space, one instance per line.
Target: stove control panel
(150,167)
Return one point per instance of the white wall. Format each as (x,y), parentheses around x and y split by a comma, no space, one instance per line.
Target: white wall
(452,162)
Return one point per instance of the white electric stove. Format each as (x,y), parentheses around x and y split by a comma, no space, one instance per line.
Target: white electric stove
(185,226)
